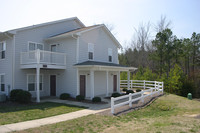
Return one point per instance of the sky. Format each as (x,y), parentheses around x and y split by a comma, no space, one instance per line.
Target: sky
(124,15)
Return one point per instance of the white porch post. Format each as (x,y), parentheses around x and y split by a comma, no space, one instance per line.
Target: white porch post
(92,83)
(38,76)
(128,77)
(78,81)
(107,89)
(118,82)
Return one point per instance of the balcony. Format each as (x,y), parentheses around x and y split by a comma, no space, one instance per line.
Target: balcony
(43,59)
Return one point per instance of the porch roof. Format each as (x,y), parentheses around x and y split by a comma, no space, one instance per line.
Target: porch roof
(103,66)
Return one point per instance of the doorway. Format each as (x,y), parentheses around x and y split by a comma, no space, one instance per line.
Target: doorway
(52,85)
(82,85)
(114,83)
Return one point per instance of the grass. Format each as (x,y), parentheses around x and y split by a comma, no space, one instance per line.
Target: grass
(169,113)
(13,113)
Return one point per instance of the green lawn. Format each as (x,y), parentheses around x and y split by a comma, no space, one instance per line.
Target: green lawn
(169,113)
(12,113)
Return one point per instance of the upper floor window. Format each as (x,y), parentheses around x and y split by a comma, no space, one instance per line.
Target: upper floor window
(2,49)
(90,51)
(2,82)
(109,54)
(34,46)
(32,82)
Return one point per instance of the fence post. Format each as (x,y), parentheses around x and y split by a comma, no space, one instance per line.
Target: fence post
(144,84)
(112,105)
(142,95)
(130,98)
(162,87)
(155,84)
(131,84)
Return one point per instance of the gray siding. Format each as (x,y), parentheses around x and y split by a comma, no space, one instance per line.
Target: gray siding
(6,64)
(101,41)
(38,35)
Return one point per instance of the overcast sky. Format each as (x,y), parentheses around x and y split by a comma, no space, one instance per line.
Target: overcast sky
(123,14)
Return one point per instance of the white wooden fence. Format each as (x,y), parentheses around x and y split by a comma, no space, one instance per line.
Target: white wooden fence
(152,87)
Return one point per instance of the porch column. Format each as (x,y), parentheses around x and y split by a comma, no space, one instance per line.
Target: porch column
(107,89)
(128,78)
(92,83)
(38,83)
(118,81)
(78,82)
(38,76)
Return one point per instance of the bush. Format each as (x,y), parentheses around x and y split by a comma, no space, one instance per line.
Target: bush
(21,96)
(124,89)
(138,90)
(129,91)
(13,94)
(64,96)
(188,87)
(80,97)
(116,94)
(96,99)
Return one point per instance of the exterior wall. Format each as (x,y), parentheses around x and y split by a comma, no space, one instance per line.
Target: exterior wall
(66,79)
(101,41)
(38,35)
(6,64)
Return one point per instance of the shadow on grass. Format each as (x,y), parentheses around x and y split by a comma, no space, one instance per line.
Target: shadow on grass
(14,107)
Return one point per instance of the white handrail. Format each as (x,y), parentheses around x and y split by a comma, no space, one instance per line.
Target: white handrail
(157,87)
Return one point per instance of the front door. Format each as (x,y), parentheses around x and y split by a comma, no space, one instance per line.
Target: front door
(53,85)
(82,85)
(114,83)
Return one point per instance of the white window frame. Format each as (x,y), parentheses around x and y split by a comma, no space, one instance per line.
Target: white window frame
(110,54)
(2,74)
(4,49)
(35,82)
(91,49)
(35,44)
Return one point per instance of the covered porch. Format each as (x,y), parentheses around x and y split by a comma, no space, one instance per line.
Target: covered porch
(99,78)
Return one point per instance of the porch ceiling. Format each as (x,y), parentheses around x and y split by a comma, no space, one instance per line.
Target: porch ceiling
(102,66)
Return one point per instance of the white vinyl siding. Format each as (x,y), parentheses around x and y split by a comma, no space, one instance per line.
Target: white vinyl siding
(109,54)
(31,82)
(2,49)
(90,51)
(2,83)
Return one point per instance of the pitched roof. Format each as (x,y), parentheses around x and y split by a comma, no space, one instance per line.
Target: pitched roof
(47,23)
(82,30)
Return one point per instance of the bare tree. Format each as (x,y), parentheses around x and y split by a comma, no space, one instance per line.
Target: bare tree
(162,24)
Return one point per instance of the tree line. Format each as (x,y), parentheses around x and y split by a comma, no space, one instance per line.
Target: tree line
(165,57)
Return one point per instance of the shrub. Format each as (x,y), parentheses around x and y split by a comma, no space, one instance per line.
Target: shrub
(21,96)
(188,87)
(124,89)
(64,96)
(129,91)
(80,97)
(96,99)
(138,90)
(13,94)
(116,94)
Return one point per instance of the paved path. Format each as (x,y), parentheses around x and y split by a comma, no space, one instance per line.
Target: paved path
(93,109)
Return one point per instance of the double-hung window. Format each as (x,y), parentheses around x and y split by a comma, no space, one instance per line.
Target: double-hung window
(109,54)
(32,82)
(2,82)
(34,46)
(90,51)
(2,49)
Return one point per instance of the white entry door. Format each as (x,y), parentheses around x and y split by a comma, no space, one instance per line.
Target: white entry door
(53,55)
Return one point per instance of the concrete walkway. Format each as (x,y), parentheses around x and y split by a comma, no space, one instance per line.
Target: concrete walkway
(93,109)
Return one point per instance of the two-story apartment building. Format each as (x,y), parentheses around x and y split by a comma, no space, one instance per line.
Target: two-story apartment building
(58,57)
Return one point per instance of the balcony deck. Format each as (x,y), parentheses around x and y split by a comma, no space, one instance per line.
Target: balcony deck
(43,59)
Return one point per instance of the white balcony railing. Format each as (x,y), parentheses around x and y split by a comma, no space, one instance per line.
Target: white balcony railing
(43,57)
